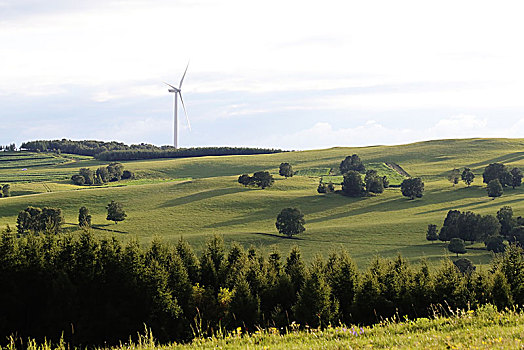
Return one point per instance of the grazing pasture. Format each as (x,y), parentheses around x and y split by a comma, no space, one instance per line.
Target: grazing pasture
(197,197)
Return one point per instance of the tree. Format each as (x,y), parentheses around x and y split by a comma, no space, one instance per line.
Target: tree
(497,171)
(464,265)
(505,217)
(322,187)
(431,234)
(51,220)
(385,181)
(488,226)
(494,189)
(516,177)
(115,170)
(517,235)
(84,219)
(374,183)
(128,175)
(78,180)
(285,170)
(88,174)
(454,176)
(412,188)
(495,244)
(456,245)
(6,190)
(352,184)
(290,222)
(115,212)
(103,174)
(313,306)
(467,176)
(244,179)
(352,163)
(263,179)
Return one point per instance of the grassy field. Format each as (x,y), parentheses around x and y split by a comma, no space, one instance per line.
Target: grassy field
(485,328)
(196,197)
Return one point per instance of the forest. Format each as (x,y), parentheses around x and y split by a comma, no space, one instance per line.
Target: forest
(113,151)
(92,290)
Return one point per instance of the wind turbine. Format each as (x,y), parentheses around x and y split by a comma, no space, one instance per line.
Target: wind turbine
(178,92)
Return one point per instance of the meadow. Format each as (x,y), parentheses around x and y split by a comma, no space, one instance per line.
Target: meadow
(485,328)
(198,197)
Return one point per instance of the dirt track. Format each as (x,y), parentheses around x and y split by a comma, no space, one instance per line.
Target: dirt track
(398,169)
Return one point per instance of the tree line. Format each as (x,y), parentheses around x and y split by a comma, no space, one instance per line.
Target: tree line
(100,291)
(8,148)
(113,172)
(48,220)
(117,151)
(496,176)
(459,227)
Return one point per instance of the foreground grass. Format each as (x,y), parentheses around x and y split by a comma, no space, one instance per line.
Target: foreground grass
(485,328)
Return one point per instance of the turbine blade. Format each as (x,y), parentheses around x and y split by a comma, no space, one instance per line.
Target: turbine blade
(170,85)
(183,76)
(184,106)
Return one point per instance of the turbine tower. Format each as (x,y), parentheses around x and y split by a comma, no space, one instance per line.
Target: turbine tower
(178,92)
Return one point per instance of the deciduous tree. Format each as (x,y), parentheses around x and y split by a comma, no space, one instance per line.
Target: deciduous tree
(454,176)
(467,176)
(352,184)
(84,219)
(412,188)
(457,246)
(494,189)
(290,222)
(285,170)
(115,212)
(352,163)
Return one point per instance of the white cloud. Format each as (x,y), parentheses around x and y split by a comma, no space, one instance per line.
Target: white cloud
(324,135)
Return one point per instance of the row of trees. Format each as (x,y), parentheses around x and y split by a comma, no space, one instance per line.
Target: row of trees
(8,148)
(260,179)
(496,176)
(100,292)
(5,190)
(112,172)
(354,186)
(492,230)
(466,175)
(35,221)
(117,151)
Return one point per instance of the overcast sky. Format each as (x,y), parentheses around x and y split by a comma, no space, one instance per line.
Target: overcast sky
(291,74)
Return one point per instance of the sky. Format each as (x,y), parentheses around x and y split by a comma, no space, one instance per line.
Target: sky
(280,74)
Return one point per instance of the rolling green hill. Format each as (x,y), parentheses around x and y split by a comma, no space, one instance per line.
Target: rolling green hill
(196,197)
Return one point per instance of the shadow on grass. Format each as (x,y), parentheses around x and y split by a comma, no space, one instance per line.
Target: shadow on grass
(273,235)
(203,195)
(507,158)
(95,227)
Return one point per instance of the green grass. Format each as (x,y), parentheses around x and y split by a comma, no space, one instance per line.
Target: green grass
(213,202)
(485,328)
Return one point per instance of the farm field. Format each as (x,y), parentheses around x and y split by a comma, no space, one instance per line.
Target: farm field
(198,197)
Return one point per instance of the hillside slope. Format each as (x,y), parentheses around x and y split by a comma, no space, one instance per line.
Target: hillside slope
(208,199)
